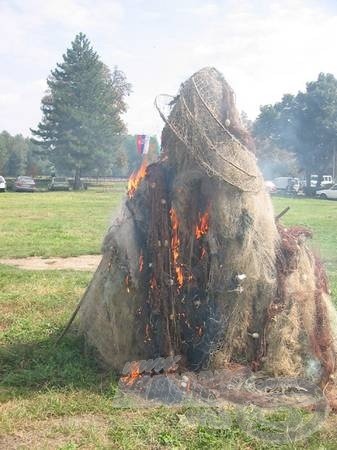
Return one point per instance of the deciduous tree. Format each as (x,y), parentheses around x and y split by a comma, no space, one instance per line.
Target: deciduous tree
(305,124)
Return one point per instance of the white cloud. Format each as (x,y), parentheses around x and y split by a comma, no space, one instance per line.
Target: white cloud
(67,13)
(204,10)
(263,53)
(264,48)
(9,99)
(20,105)
(27,26)
(80,14)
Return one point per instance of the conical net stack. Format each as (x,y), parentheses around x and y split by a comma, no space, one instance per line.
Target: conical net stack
(194,263)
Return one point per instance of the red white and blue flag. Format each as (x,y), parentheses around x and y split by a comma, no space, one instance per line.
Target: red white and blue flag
(143,143)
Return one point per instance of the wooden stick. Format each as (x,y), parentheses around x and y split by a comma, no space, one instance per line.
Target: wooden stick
(282,213)
(72,318)
(74,314)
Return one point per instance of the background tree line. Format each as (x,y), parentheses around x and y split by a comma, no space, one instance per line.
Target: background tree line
(20,156)
(82,130)
(298,135)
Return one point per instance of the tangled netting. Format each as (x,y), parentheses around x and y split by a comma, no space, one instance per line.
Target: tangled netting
(196,119)
(275,410)
(195,265)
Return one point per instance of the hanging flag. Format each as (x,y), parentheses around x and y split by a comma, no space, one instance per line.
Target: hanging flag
(143,143)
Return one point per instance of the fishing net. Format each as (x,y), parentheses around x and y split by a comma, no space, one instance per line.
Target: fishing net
(194,263)
(196,117)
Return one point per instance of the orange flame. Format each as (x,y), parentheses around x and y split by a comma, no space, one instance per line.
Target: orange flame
(202,226)
(175,244)
(180,276)
(134,374)
(135,179)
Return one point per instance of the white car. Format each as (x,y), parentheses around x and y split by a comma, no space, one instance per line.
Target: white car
(2,184)
(328,193)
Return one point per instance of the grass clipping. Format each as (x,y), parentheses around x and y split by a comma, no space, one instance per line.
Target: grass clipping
(195,265)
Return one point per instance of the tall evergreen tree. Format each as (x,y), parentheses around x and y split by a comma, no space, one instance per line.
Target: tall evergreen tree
(82,111)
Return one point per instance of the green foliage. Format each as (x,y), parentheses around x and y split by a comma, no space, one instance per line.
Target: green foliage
(305,124)
(4,150)
(18,157)
(81,124)
(15,154)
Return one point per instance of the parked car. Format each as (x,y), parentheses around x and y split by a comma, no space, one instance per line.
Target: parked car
(287,185)
(325,183)
(2,184)
(59,184)
(24,184)
(330,193)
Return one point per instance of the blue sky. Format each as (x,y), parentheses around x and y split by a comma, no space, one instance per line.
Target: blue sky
(264,49)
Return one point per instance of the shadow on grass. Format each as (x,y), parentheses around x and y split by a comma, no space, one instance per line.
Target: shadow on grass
(44,365)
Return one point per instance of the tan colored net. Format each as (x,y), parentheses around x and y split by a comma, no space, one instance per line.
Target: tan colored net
(194,119)
(195,265)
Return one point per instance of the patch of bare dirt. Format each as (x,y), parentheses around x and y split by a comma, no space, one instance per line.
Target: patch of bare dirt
(85,262)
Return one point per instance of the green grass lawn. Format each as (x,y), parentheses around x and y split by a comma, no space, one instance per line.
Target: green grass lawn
(55,396)
(55,224)
(320,216)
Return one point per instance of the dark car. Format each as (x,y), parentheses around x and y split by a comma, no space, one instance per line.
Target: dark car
(59,184)
(24,184)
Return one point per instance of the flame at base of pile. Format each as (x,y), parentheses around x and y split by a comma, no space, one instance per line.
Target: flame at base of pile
(213,399)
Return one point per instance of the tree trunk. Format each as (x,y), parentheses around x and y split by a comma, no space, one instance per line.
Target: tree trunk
(77,182)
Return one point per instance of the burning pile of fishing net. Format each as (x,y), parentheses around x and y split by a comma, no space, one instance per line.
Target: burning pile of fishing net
(196,265)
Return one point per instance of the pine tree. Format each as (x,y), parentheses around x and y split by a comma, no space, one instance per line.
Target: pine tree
(82,111)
